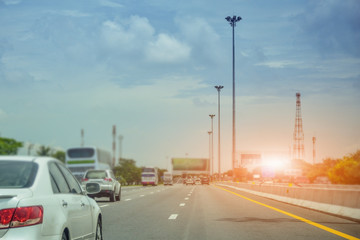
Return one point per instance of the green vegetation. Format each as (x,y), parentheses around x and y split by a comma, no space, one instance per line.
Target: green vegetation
(339,171)
(59,155)
(346,171)
(48,151)
(128,172)
(9,146)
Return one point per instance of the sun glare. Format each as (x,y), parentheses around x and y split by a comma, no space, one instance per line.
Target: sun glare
(274,163)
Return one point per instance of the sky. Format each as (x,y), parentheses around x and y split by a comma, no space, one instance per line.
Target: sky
(150,67)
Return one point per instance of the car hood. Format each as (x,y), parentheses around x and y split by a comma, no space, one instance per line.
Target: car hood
(10,198)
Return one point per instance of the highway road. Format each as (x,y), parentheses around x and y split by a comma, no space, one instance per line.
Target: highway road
(212,212)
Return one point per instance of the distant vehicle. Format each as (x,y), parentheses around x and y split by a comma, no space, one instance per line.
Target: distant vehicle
(322,180)
(198,181)
(109,186)
(205,180)
(149,176)
(302,179)
(81,159)
(189,181)
(168,178)
(41,199)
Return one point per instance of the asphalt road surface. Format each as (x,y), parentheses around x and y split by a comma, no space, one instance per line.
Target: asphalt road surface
(212,212)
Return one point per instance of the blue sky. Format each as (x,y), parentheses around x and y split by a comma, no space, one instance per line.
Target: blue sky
(150,67)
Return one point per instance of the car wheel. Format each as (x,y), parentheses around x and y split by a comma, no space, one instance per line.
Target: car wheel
(64,236)
(112,196)
(118,197)
(98,235)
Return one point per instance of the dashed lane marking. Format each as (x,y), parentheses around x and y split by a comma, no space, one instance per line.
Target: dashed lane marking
(173,216)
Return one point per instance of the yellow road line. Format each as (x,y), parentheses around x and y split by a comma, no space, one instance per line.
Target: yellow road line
(333,231)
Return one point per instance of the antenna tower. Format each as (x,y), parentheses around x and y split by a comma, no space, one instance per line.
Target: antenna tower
(314,150)
(298,151)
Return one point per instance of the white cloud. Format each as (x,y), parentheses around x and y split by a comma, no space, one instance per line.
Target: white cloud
(12,2)
(128,35)
(278,64)
(74,13)
(136,34)
(167,49)
(112,4)
(69,13)
(202,37)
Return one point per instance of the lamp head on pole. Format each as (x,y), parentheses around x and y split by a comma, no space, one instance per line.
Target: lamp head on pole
(219,87)
(233,20)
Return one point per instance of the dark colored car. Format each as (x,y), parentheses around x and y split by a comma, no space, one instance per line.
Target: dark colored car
(205,180)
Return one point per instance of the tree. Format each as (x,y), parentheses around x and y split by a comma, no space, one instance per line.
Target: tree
(9,146)
(321,169)
(44,151)
(346,171)
(59,155)
(128,171)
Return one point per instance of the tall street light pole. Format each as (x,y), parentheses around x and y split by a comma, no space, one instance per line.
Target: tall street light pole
(210,133)
(212,143)
(218,89)
(232,21)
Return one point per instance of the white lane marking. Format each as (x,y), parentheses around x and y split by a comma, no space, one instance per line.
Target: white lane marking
(173,216)
(129,199)
(189,194)
(105,205)
(142,195)
(182,204)
(152,193)
(186,198)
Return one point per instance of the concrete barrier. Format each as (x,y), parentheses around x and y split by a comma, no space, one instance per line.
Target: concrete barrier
(342,202)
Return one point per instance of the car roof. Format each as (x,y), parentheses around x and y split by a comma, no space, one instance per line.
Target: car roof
(25,158)
(99,170)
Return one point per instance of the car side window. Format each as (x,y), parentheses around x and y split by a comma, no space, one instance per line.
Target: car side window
(58,181)
(73,183)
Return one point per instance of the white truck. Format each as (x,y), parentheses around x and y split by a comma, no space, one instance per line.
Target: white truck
(168,178)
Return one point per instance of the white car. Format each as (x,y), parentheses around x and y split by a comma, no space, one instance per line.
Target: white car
(41,200)
(109,186)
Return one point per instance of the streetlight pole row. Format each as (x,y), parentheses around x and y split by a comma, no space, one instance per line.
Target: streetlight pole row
(232,21)
(210,133)
(218,88)
(212,143)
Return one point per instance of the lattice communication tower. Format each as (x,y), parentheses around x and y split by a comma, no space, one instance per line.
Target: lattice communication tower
(298,150)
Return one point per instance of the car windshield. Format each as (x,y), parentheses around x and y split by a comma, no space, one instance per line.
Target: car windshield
(17,174)
(96,175)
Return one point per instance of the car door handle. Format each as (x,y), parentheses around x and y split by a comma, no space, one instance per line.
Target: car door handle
(65,204)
